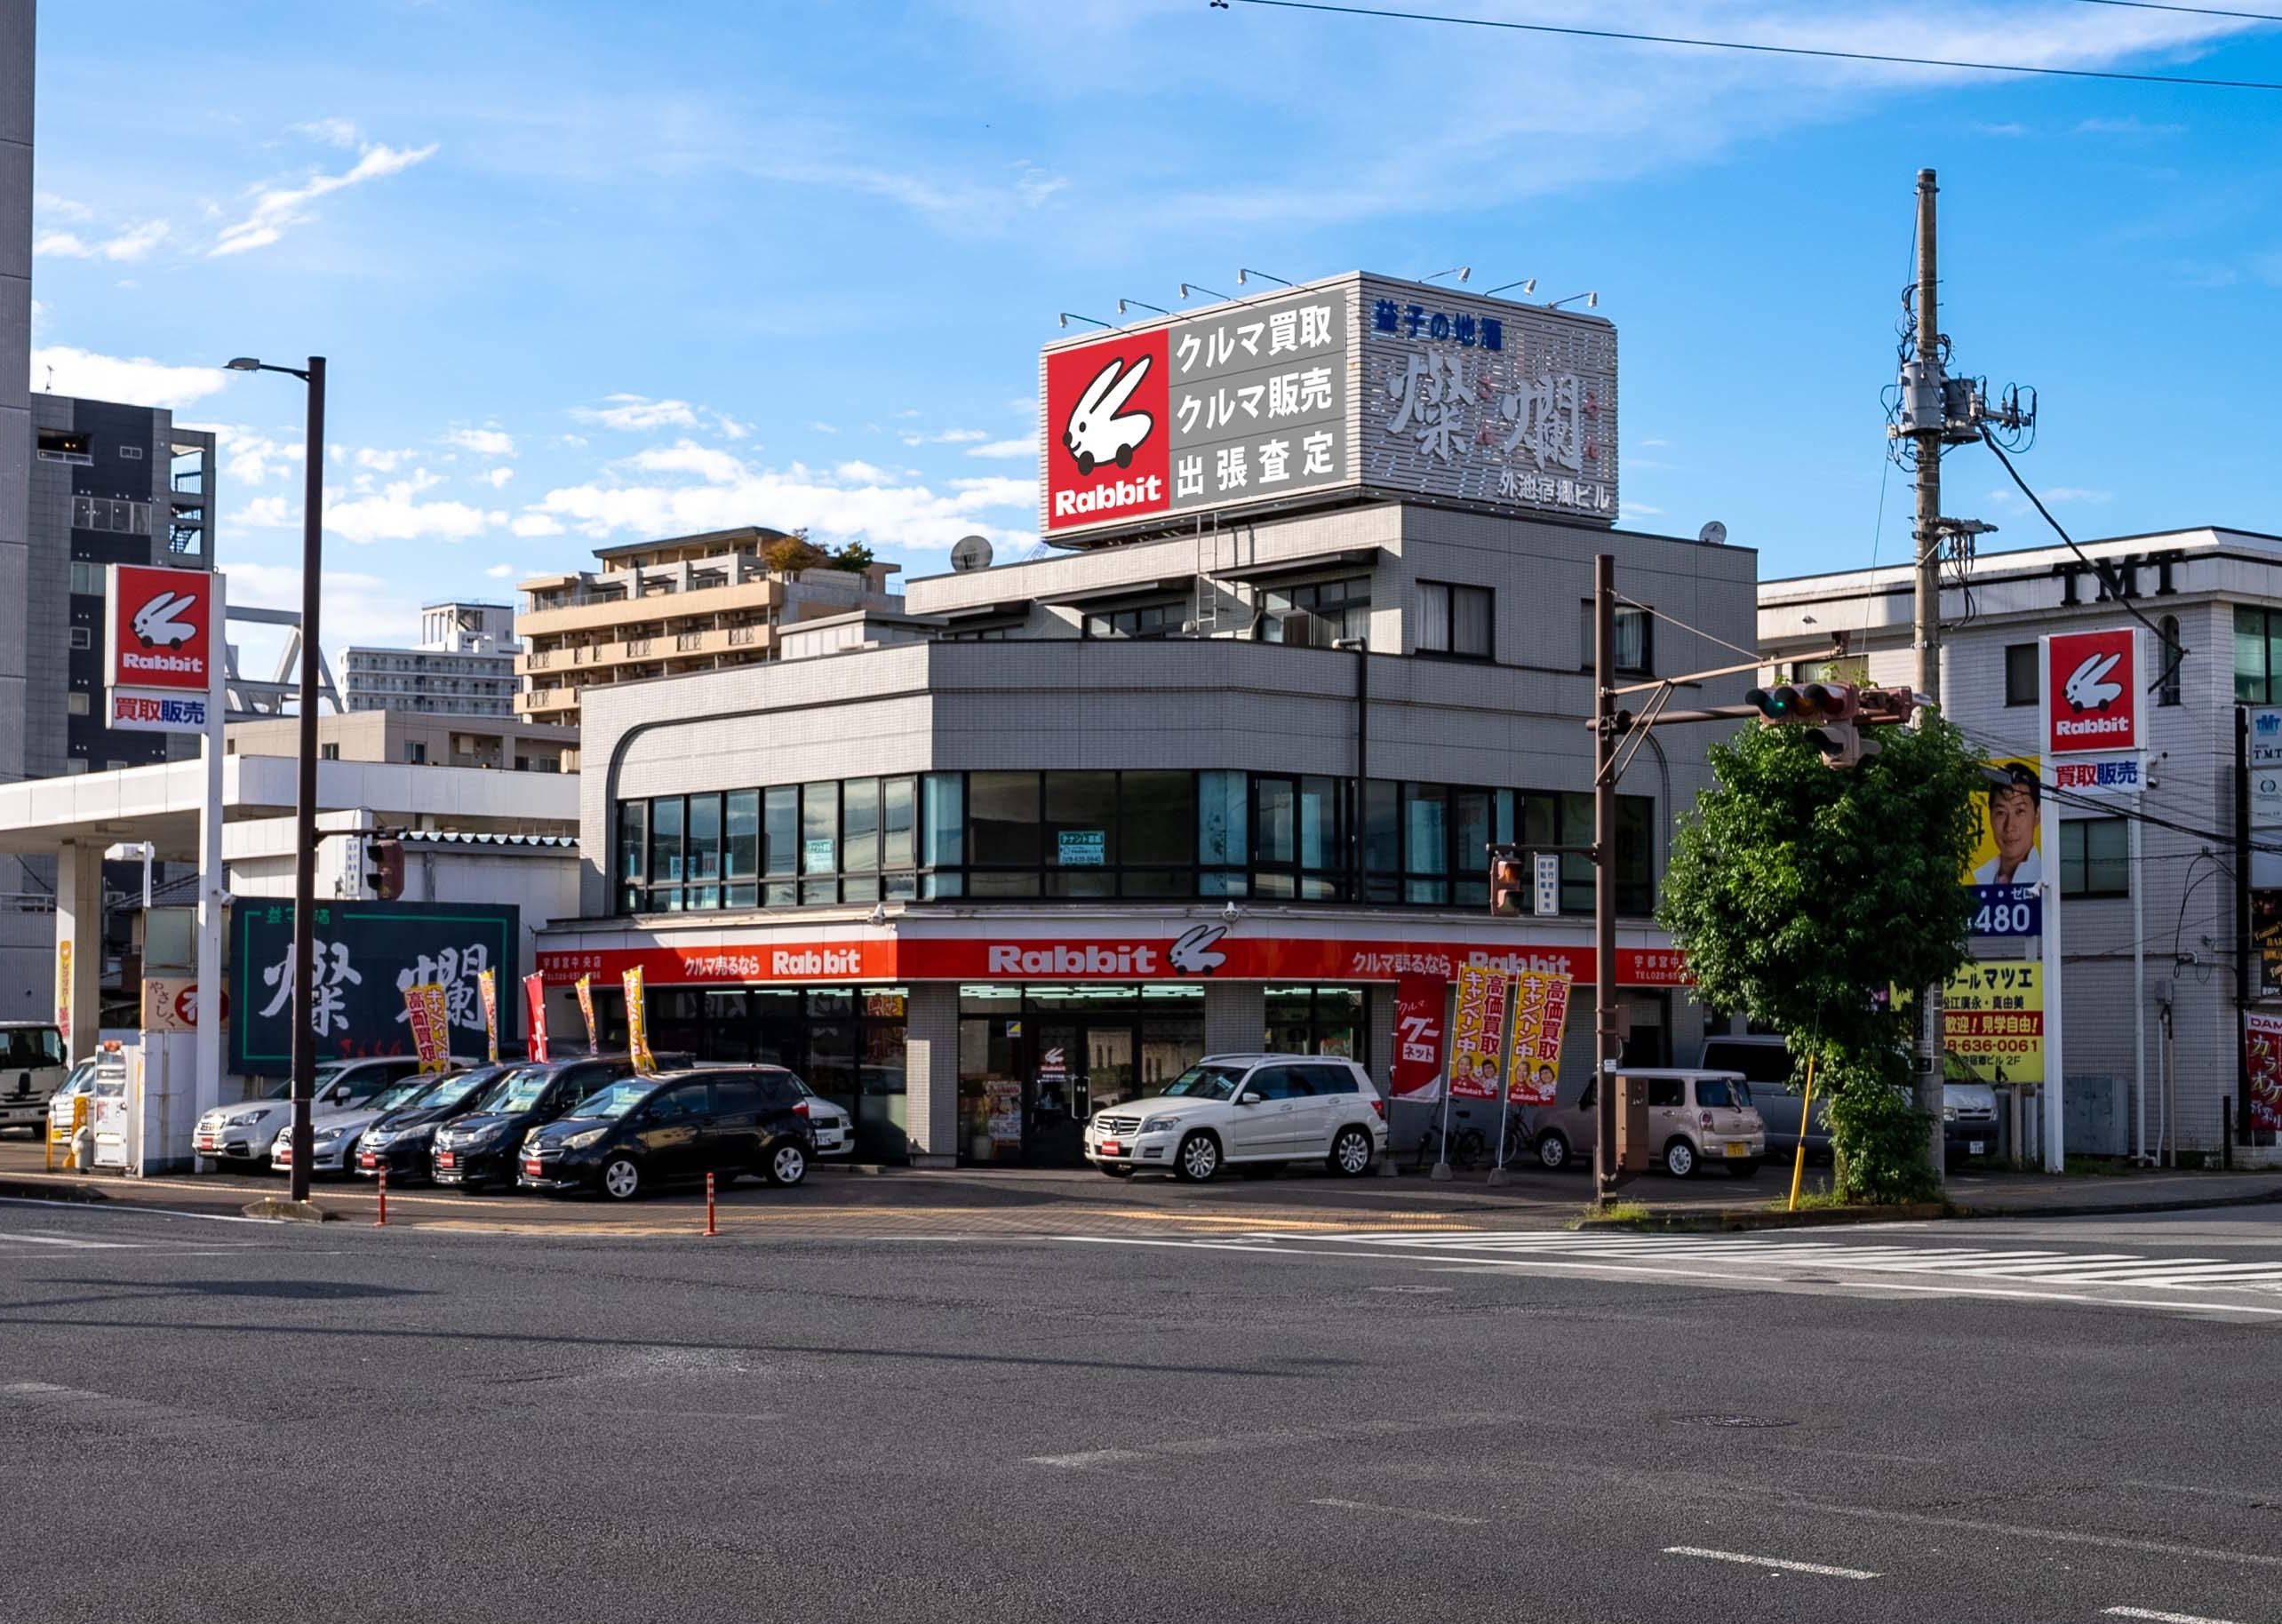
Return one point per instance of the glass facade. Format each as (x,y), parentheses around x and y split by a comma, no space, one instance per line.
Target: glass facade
(1166,835)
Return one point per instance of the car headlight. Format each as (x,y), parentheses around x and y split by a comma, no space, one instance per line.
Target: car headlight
(244,1118)
(1160,1125)
(1949,1113)
(326,1135)
(579,1141)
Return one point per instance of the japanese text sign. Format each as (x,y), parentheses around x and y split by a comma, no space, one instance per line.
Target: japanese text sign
(2262,1034)
(1533,1071)
(162,627)
(1419,1028)
(2092,691)
(1478,1036)
(1992,1019)
(431,1022)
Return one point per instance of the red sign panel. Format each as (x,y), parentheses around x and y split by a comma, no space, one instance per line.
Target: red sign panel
(162,627)
(2092,691)
(1107,431)
(1419,1004)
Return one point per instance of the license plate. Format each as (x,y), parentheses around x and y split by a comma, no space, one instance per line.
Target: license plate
(284,1159)
(205,1141)
(367,1160)
(447,1159)
(535,1168)
(1738,1149)
(1110,1147)
(1973,1147)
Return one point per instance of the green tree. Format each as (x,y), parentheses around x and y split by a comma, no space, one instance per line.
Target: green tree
(1796,890)
(855,558)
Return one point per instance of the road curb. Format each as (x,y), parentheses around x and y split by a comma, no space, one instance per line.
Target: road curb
(29,1189)
(1686,1220)
(286,1212)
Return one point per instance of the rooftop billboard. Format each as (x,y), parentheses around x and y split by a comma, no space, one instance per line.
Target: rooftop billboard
(1353,384)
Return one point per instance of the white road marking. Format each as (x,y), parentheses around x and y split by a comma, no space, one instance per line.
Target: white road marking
(57,1240)
(2161,1618)
(123,1209)
(1769,1562)
(1404,1511)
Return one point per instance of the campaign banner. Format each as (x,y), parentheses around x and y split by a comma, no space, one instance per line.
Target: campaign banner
(431,1021)
(1420,1025)
(1533,1071)
(587,1011)
(1992,1019)
(534,986)
(637,1025)
(2262,1036)
(487,983)
(1478,1042)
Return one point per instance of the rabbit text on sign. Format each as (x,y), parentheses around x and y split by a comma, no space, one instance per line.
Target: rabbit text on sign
(161,623)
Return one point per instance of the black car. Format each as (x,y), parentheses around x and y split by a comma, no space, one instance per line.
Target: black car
(481,1147)
(643,1131)
(400,1141)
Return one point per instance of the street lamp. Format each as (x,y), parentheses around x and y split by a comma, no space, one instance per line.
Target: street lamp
(305,818)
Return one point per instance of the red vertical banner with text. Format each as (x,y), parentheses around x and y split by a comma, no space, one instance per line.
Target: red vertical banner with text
(1421,1023)
(2263,1034)
(487,982)
(637,1025)
(586,1012)
(1478,1036)
(535,1014)
(1533,1071)
(431,1019)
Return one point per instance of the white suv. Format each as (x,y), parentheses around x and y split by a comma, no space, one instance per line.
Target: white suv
(1255,1110)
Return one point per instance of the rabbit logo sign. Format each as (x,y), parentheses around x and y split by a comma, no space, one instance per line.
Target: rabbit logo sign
(2094,682)
(162,624)
(1106,410)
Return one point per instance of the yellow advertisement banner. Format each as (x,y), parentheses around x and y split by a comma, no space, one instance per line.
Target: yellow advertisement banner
(431,1018)
(1479,1036)
(1533,1074)
(2009,847)
(637,1025)
(587,1011)
(487,980)
(1992,1019)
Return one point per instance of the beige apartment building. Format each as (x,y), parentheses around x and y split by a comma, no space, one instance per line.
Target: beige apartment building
(414,739)
(670,608)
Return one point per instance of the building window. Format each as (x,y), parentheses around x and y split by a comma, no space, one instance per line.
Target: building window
(65,445)
(1142,620)
(74,705)
(2022,685)
(1455,620)
(1632,656)
(1315,1021)
(1317,614)
(110,513)
(82,637)
(2258,654)
(329,752)
(87,579)
(2173,656)
(2095,857)
(132,453)
(416,751)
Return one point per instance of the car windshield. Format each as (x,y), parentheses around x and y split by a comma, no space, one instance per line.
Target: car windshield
(398,1094)
(31,1045)
(282,1089)
(518,1090)
(615,1100)
(452,1090)
(1205,1082)
(1717,1092)
(82,1076)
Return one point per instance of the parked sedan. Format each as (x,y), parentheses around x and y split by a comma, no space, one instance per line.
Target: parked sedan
(334,1135)
(642,1131)
(402,1140)
(244,1133)
(835,1128)
(481,1147)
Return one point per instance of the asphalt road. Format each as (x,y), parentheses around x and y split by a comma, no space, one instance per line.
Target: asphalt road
(2005,1421)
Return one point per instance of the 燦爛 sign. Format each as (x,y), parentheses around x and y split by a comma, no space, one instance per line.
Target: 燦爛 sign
(1992,1019)
(1352,382)
(367,954)
(2091,691)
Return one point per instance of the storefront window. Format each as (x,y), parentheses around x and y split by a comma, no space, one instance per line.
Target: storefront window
(1156,832)
(859,844)
(819,841)
(633,851)
(702,851)
(1081,834)
(1222,832)
(1315,1021)
(1425,842)
(741,848)
(666,854)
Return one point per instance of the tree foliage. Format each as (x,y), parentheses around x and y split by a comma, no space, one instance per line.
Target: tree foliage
(1798,890)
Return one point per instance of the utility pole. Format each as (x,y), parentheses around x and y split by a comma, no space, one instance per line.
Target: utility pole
(1924,381)
(1608,1044)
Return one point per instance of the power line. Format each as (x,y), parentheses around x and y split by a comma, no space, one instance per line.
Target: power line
(2189,10)
(1764,50)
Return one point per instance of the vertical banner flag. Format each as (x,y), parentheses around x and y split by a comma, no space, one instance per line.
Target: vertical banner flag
(487,983)
(535,1012)
(1420,1021)
(1479,1036)
(2263,1033)
(587,1009)
(431,1019)
(637,1025)
(1533,1073)
(63,989)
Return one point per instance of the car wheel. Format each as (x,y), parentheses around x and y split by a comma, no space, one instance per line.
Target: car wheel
(1116,1171)
(1747,1168)
(621,1179)
(1552,1150)
(1199,1159)
(787,1165)
(1350,1152)
(1680,1159)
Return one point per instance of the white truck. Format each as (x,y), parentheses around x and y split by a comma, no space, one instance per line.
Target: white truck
(31,1069)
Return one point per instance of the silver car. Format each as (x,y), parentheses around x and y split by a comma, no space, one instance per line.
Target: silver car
(333,1134)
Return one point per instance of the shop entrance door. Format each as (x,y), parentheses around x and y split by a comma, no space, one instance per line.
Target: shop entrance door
(1079,1067)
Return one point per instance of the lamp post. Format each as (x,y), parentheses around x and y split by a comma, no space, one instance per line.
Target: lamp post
(305,818)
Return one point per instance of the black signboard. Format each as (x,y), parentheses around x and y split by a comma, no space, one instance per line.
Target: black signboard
(367,953)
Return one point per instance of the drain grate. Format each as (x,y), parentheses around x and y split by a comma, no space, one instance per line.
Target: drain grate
(1743,1422)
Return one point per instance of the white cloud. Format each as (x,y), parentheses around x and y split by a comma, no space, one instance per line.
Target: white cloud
(396,513)
(249,456)
(59,206)
(687,456)
(2131,126)
(274,210)
(137,381)
(332,132)
(2076,493)
(1005,448)
(638,413)
(379,461)
(497,478)
(535,524)
(948,436)
(824,428)
(503,572)
(482,442)
(858,473)
(266,513)
(355,607)
(730,427)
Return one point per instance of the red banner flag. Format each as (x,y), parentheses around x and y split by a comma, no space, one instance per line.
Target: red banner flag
(535,1014)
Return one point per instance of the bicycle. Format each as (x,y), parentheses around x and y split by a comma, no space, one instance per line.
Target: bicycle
(1468,1148)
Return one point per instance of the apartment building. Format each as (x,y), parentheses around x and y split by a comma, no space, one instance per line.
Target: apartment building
(412,739)
(463,666)
(673,608)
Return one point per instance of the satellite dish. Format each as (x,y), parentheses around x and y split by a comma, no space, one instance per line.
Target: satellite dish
(1713,535)
(970,552)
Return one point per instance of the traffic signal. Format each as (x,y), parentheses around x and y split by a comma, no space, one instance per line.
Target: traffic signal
(384,866)
(1829,711)
(1507,882)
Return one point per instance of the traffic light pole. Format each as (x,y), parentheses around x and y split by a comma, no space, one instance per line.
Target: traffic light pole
(1608,1043)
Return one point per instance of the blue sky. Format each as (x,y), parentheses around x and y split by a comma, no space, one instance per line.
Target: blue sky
(587,272)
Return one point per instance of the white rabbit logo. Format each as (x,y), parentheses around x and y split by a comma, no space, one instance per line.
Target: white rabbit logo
(2088,688)
(1100,429)
(1193,955)
(154,625)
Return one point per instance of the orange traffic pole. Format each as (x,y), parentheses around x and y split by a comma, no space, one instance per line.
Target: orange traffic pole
(710,1227)
(383,1218)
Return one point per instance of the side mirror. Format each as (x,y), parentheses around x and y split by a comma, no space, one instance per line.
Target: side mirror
(1247,1098)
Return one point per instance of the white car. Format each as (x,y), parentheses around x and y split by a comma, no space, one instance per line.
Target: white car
(835,1128)
(333,1135)
(82,1081)
(1254,1110)
(243,1133)
(31,1070)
